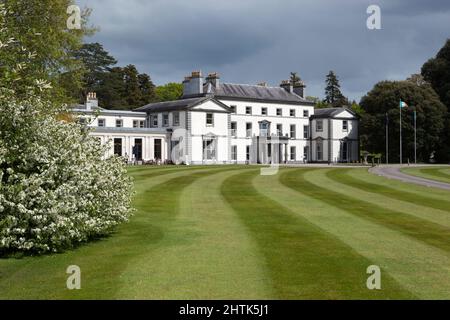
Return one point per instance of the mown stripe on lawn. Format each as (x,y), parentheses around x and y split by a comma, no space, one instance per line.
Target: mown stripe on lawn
(101,262)
(302,260)
(428,232)
(339,180)
(342,175)
(417,267)
(438,174)
(205,254)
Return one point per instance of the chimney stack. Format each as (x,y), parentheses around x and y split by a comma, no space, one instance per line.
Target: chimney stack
(287,85)
(91,101)
(193,84)
(299,89)
(214,79)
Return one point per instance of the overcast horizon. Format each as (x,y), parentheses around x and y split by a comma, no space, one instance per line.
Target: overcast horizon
(253,41)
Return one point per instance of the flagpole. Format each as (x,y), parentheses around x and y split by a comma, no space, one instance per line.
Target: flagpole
(415,137)
(387,138)
(401,161)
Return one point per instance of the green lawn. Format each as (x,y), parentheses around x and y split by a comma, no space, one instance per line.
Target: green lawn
(441,174)
(228,232)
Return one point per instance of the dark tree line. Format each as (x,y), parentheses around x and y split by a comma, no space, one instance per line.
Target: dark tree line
(116,87)
(429,95)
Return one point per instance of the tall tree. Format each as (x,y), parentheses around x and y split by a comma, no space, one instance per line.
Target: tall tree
(97,61)
(437,72)
(333,94)
(39,29)
(147,89)
(295,79)
(384,99)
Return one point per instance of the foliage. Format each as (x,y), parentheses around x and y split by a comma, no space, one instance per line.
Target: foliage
(333,94)
(35,44)
(168,92)
(384,99)
(56,187)
(437,72)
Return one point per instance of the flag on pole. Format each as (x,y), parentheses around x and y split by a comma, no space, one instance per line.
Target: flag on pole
(403,104)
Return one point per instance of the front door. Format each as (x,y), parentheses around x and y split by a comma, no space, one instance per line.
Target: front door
(137,149)
(157,149)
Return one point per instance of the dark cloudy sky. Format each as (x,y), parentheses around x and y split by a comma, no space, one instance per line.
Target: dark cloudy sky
(249,41)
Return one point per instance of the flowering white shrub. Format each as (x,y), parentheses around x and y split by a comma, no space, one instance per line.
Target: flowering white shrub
(56,187)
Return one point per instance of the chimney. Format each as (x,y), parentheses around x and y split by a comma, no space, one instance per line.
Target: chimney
(262,84)
(299,89)
(287,85)
(91,101)
(193,85)
(214,79)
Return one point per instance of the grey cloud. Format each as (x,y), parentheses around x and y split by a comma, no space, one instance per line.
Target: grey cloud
(254,40)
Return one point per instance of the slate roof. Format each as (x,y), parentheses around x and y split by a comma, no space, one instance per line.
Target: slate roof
(330,112)
(256,92)
(176,105)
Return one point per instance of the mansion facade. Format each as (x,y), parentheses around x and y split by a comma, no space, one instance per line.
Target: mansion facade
(223,123)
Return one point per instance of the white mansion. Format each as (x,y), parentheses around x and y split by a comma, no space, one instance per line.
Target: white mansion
(222,123)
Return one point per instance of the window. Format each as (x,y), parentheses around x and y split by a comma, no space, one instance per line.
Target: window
(138,124)
(279,129)
(248,110)
(82,121)
(319,150)
(176,119)
(154,121)
(234,153)
(101,122)
(209,119)
(247,153)
(209,149)
(118,146)
(248,129)
(293,153)
(306,113)
(305,132)
(233,109)
(264,128)
(279,112)
(319,125)
(119,123)
(233,129)
(305,153)
(165,120)
(293,133)
(264,111)
(292,112)
(345,125)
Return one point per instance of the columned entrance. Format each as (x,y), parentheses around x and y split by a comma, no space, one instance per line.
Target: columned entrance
(271,149)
